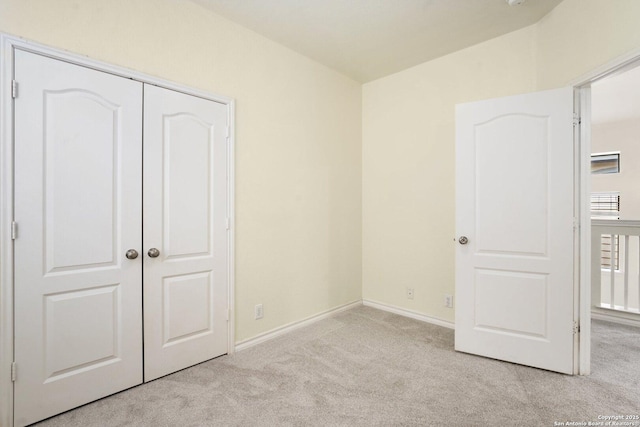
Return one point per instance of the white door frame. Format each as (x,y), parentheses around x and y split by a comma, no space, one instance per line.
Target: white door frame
(8,44)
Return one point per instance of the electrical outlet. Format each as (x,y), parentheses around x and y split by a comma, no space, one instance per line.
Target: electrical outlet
(259,311)
(448,301)
(410,293)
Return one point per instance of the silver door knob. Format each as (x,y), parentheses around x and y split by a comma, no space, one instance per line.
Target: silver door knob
(131,254)
(153,253)
(463,240)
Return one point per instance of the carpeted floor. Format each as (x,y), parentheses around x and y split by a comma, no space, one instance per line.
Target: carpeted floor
(366,367)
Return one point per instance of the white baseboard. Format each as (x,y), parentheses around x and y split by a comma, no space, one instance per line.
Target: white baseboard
(615,319)
(408,313)
(266,336)
(269,335)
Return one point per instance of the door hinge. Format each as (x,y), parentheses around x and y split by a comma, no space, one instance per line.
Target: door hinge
(576,224)
(14,89)
(228,223)
(228,132)
(576,119)
(14,369)
(14,230)
(228,314)
(576,328)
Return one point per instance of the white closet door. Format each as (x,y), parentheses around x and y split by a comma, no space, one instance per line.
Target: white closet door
(185,211)
(78,136)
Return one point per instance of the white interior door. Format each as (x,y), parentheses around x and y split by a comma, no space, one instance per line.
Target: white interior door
(78,299)
(515,205)
(185,213)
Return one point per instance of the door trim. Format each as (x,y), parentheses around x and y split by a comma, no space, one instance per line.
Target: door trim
(582,305)
(8,45)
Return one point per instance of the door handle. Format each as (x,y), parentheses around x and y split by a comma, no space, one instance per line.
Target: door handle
(463,240)
(153,253)
(131,254)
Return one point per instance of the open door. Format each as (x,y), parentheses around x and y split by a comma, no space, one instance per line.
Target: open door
(515,229)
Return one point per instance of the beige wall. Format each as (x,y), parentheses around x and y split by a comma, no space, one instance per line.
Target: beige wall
(615,126)
(322,182)
(408,139)
(623,136)
(408,167)
(579,36)
(298,139)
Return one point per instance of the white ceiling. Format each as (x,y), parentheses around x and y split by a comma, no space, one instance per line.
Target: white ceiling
(368,39)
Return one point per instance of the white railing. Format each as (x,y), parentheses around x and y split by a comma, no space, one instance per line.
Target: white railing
(615,266)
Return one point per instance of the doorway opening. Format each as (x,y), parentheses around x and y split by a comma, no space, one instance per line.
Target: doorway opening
(608,102)
(615,196)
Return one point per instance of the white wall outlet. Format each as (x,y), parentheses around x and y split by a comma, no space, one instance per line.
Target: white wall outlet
(448,300)
(259,311)
(410,293)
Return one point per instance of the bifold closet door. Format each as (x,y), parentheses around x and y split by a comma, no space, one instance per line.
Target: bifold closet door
(78,175)
(185,235)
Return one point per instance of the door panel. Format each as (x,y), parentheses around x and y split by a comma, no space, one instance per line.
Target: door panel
(78,300)
(524,294)
(514,202)
(511,214)
(93,237)
(185,316)
(185,205)
(188,164)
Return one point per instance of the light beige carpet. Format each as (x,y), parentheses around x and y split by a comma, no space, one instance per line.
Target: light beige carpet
(366,367)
